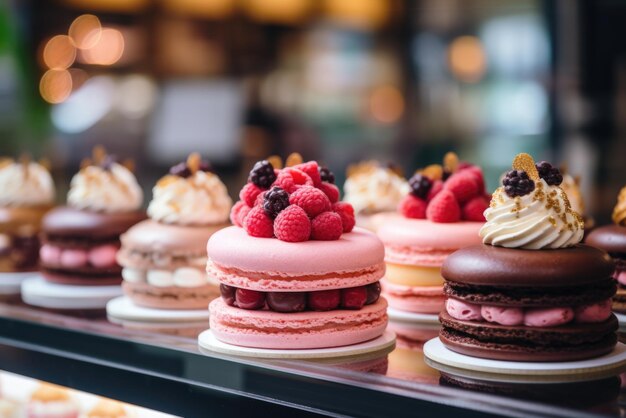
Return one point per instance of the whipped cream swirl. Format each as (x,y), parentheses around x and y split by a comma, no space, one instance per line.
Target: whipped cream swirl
(25,184)
(200,199)
(541,219)
(375,190)
(572,190)
(110,190)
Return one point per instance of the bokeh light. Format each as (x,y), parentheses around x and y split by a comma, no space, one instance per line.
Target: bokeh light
(59,53)
(364,14)
(85,31)
(386,104)
(278,11)
(213,9)
(55,86)
(467,59)
(108,50)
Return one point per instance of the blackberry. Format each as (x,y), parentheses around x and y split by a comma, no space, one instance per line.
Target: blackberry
(517,183)
(420,185)
(180,170)
(275,201)
(262,174)
(550,174)
(327,175)
(108,162)
(206,167)
(445,174)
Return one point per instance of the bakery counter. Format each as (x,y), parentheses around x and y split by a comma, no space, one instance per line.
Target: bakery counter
(171,374)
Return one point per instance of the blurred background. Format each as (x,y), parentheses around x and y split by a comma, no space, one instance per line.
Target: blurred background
(403,81)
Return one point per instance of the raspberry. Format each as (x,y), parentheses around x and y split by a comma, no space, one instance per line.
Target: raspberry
(324,300)
(326,226)
(353,297)
(330,190)
(260,199)
(292,225)
(413,207)
(327,175)
(275,201)
(517,183)
(346,212)
(444,208)
(290,178)
(262,174)
(550,174)
(312,170)
(463,185)
(258,224)
(312,200)
(238,213)
(478,176)
(249,193)
(474,209)
(420,185)
(436,188)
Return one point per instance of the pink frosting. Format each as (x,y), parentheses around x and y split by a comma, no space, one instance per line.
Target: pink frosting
(103,256)
(73,258)
(503,316)
(531,317)
(548,317)
(310,329)
(354,251)
(418,299)
(596,312)
(50,254)
(462,310)
(621,277)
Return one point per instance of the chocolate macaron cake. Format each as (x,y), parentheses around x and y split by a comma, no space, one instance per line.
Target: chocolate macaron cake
(612,239)
(531,292)
(80,241)
(26,194)
(164,257)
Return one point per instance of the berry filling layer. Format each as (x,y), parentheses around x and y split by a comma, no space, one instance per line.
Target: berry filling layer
(18,252)
(352,298)
(530,317)
(100,257)
(180,277)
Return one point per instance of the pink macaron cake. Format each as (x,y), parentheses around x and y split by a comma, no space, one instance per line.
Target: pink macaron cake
(442,213)
(164,257)
(294,272)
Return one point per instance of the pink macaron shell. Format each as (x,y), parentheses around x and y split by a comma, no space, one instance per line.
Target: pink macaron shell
(50,254)
(462,310)
(548,317)
(72,258)
(103,256)
(596,312)
(275,282)
(232,247)
(302,330)
(410,241)
(418,299)
(502,315)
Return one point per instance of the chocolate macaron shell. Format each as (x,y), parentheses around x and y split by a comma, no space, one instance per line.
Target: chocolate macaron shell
(80,280)
(488,265)
(532,296)
(151,236)
(610,238)
(514,343)
(69,222)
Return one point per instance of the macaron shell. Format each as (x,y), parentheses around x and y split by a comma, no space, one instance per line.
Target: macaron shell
(610,238)
(150,236)
(69,222)
(78,280)
(232,247)
(16,219)
(486,265)
(302,330)
(418,299)
(170,297)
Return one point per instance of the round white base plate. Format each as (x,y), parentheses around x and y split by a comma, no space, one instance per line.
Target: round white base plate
(412,317)
(39,292)
(11,283)
(384,343)
(445,360)
(122,308)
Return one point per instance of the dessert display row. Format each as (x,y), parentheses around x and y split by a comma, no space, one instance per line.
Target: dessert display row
(300,269)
